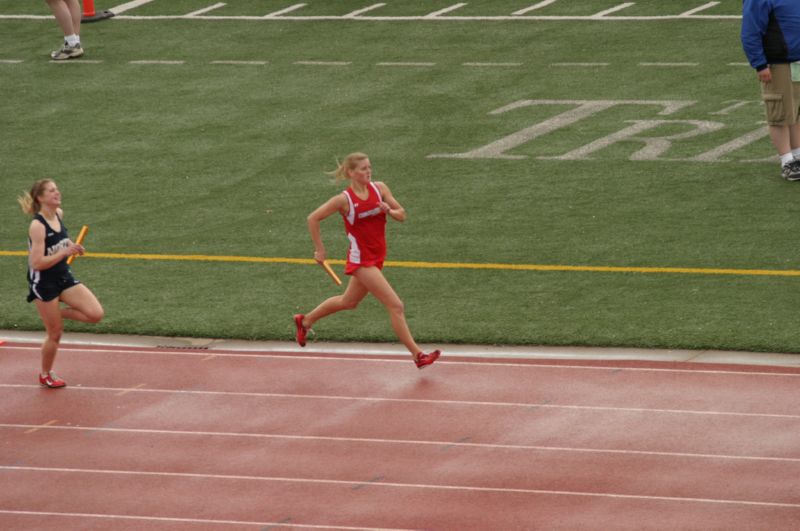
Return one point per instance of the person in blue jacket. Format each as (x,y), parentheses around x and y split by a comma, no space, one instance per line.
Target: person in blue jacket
(771,41)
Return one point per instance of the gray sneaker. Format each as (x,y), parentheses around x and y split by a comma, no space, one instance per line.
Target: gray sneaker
(70,52)
(791,171)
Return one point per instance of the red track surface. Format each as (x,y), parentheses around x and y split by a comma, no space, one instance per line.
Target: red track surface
(213,439)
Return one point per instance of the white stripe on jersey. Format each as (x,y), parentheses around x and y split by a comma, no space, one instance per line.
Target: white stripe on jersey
(351,213)
(354,255)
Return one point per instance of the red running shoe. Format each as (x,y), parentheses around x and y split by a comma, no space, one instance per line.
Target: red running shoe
(423,360)
(301,330)
(52,381)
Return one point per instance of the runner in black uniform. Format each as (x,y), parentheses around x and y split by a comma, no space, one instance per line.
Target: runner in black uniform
(48,284)
(50,280)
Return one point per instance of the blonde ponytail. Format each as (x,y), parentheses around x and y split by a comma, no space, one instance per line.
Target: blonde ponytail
(29,201)
(349,163)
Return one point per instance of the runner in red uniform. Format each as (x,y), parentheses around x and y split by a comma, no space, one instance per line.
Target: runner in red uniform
(364,207)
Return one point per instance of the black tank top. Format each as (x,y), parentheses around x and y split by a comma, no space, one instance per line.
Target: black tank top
(53,242)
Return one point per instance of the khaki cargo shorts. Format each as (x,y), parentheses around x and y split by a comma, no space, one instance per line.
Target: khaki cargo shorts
(781,96)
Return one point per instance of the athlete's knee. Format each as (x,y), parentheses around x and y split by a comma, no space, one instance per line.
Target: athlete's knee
(95,315)
(54,334)
(396,307)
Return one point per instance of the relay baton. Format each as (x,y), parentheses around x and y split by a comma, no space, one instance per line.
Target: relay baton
(81,236)
(330,272)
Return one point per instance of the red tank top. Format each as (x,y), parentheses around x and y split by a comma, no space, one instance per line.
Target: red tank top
(365,225)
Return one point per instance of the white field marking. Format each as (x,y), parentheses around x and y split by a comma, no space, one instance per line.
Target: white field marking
(579,64)
(122,8)
(343,398)
(34,429)
(403,359)
(10,61)
(733,145)
(368,440)
(405,64)
(491,64)
(206,9)
(323,63)
(540,5)
(155,62)
(736,105)
(738,64)
(669,64)
(263,525)
(445,10)
(500,18)
(256,63)
(614,9)
(78,62)
(698,9)
(426,486)
(289,9)
(363,10)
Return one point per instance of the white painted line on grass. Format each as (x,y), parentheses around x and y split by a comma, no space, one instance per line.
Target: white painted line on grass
(276,14)
(339,482)
(122,8)
(263,525)
(405,64)
(579,64)
(445,10)
(363,10)
(412,442)
(323,63)
(373,399)
(491,64)
(698,9)
(155,62)
(257,63)
(10,61)
(77,62)
(669,64)
(738,64)
(206,9)
(614,9)
(540,5)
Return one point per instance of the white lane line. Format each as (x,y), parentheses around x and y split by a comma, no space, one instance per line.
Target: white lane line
(264,525)
(698,9)
(206,9)
(34,429)
(156,62)
(425,486)
(540,5)
(367,440)
(405,64)
(614,9)
(373,399)
(403,359)
(445,10)
(256,63)
(323,63)
(122,8)
(276,14)
(363,10)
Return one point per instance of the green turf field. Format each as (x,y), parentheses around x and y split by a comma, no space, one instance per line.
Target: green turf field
(586,140)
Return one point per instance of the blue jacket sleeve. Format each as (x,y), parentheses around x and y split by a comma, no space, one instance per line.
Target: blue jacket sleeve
(755,17)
